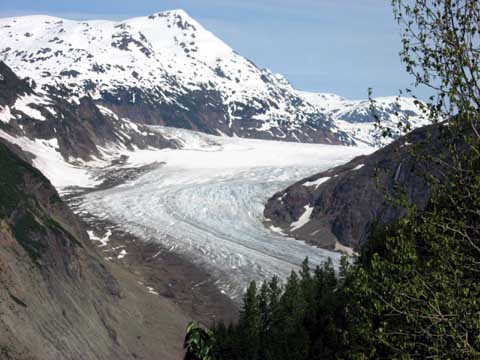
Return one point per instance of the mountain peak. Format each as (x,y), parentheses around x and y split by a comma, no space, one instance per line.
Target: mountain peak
(175,15)
(173,12)
(168,62)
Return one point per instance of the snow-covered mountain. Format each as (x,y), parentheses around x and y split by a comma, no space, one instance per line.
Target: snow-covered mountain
(165,69)
(356,118)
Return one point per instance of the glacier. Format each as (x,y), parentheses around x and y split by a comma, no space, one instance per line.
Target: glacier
(206,203)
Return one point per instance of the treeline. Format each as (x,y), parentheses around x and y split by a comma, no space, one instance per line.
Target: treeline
(296,321)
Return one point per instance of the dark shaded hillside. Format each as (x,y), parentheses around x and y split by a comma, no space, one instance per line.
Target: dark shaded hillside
(348,202)
(58,298)
(11,86)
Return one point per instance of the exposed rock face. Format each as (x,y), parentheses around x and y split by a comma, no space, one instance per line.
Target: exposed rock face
(342,204)
(58,299)
(77,130)
(11,86)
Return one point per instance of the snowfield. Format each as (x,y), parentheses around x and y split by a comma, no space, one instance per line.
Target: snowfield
(207,203)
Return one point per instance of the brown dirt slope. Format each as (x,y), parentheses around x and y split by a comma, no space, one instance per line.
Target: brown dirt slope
(58,298)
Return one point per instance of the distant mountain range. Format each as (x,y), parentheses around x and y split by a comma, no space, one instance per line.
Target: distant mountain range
(357,118)
(166,69)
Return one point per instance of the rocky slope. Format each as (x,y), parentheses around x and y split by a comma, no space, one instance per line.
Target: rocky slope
(58,299)
(337,209)
(77,130)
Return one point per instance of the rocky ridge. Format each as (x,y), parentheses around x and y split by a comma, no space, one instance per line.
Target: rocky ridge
(338,208)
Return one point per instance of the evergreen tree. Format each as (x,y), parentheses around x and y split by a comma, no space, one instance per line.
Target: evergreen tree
(250,324)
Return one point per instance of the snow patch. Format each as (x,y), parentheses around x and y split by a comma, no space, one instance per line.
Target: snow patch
(53,143)
(5,114)
(151,290)
(303,219)
(277,230)
(23,104)
(51,163)
(103,241)
(345,249)
(107,112)
(317,182)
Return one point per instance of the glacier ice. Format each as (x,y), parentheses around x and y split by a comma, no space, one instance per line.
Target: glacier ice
(207,201)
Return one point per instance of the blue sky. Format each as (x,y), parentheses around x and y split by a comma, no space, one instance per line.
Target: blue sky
(341,46)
